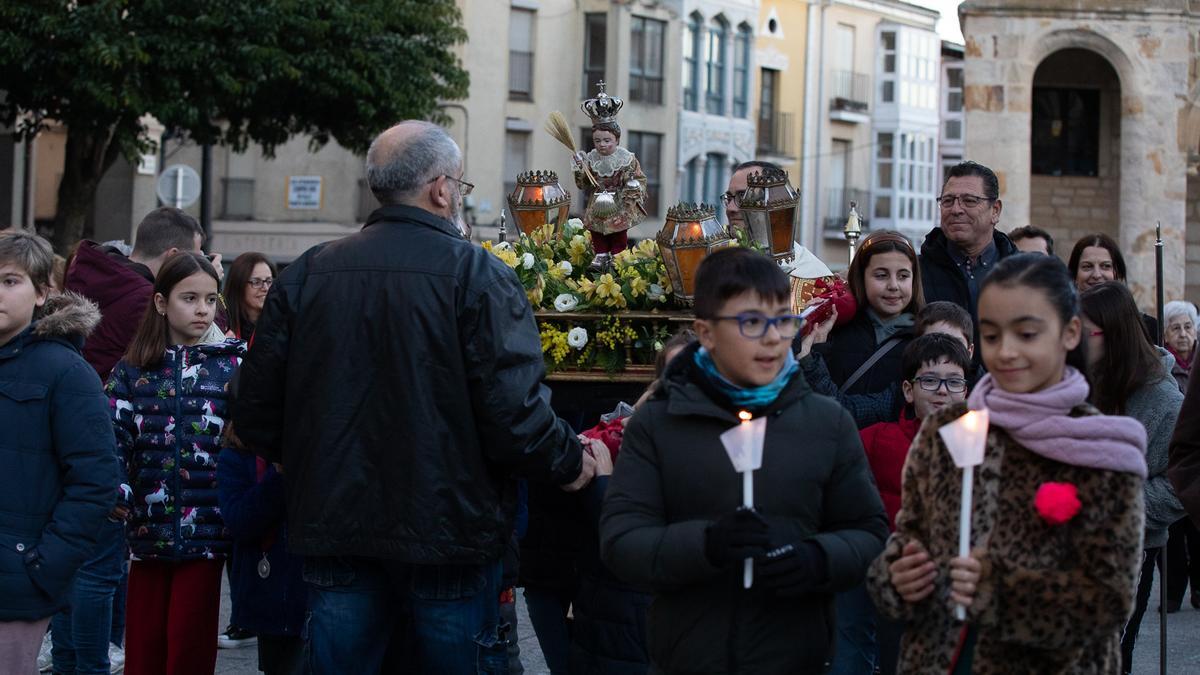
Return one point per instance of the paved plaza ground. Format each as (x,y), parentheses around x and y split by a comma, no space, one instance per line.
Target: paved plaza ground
(1183,643)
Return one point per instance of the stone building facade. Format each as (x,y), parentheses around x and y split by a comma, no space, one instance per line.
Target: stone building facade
(1088,112)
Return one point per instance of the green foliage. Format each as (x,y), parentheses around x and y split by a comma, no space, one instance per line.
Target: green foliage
(228,71)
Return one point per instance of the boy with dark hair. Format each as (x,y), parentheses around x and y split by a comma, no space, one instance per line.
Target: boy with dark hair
(672,519)
(58,458)
(946,317)
(934,368)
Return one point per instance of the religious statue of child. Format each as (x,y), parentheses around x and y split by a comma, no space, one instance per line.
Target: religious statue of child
(613,184)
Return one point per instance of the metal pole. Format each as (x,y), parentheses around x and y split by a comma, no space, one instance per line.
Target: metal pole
(27,186)
(1162,554)
(206,193)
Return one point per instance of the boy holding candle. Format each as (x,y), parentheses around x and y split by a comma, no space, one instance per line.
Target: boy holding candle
(672,519)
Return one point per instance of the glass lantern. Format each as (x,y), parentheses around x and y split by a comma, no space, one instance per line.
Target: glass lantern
(539,199)
(690,233)
(770,207)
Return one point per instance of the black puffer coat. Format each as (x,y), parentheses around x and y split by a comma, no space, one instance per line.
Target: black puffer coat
(396,374)
(673,479)
(850,346)
(943,280)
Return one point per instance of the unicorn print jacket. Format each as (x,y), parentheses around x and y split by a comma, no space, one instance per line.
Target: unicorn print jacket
(169,422)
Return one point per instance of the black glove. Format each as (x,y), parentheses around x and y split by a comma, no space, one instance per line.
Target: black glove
(735,536)
(791,570)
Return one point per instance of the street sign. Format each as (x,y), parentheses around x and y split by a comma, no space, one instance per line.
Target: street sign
(178,186)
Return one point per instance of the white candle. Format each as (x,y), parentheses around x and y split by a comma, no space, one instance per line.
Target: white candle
(747,492)
(964,527)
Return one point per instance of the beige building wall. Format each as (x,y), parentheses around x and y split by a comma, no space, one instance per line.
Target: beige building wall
(780,46)
(1151,45)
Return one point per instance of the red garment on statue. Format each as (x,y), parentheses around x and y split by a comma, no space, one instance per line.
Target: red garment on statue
(172,609)
(610,243)
(887,445)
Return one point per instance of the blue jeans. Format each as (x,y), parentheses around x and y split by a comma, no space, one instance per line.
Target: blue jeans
(407,618)
(855,652)
(81,632)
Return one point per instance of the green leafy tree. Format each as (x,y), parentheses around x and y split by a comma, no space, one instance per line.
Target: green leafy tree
(222,71)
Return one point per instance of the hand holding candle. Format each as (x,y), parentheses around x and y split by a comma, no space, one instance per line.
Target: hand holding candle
(744,445)
(966,438)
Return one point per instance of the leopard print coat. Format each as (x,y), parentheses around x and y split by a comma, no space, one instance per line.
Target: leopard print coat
(1052,599)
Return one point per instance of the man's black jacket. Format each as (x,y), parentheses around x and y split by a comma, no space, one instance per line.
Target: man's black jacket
(396,374)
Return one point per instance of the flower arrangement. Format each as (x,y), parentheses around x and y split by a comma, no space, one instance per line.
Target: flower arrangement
(592,333)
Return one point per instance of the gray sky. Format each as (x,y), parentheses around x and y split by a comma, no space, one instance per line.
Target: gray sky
(947,26)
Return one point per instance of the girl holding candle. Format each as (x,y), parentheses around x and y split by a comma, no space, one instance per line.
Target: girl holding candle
(1056,518)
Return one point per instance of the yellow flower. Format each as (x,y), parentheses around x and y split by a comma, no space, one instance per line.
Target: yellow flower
(578,250)
(623,258)
(585,287)
(556,272)
(607,287)
(648,249)
(638,286)
(487,244)
(535,296)
(508,256)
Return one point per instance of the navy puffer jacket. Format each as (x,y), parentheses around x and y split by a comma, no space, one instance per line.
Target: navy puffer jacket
(58,466)
(169,420)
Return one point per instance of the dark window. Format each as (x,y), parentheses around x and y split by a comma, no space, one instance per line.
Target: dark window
(715,178)
(767,111)
(691,64)
(520,54)
(595,39)
(646,60)
(741,71)
(715,77)
(1065,131)
(691,178)
(648,148)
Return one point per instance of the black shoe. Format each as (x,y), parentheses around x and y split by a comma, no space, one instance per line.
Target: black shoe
(235,637)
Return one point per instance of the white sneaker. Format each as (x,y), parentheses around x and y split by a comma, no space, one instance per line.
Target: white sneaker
(44,662)
(116,659)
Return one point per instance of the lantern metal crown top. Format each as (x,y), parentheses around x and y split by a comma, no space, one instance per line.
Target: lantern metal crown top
(770,210)
(703,214)
(540,197)
(759,192)
(603,108)
(690,233)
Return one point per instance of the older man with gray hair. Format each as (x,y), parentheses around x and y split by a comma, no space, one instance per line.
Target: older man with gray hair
(396,375)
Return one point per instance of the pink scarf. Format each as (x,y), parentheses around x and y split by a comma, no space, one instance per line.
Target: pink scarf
(1039,421)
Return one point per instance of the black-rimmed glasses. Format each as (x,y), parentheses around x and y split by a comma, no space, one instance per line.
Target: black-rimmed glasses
(753,325)
(464,188)
(257,283)
(954,385)
(968,201)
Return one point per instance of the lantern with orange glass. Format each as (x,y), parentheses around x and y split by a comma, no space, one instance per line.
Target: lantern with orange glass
(690,233)
(771,208)
(538,199)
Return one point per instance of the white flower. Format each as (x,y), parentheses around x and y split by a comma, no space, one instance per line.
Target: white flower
(566,302)
(655,293)
(565,266)
(527,261)
(577,337)
(502,246)
(573,225)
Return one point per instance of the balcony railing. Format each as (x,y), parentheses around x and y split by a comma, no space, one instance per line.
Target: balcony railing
(775,135)
(520,75)
(849,91)
(837,207)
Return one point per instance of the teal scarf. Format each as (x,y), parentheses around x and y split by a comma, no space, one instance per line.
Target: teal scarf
(756,397)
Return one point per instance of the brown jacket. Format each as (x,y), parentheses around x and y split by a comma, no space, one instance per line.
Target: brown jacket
(1183,468)
(1052,599)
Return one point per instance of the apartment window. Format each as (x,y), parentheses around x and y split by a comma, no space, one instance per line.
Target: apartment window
(691,63)
(715,178)
(648,148)
(741,71)
(887,83)
(954,89)
(691,178)
(595,51)
(714,56)
(904,169)
(884,163)
(646,60)
(768,133)
(516,158)
(520,54)
(1065,131)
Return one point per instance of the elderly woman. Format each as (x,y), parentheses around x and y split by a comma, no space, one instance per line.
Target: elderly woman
(1180,338)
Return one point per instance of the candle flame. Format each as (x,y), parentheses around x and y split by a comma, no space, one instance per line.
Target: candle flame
(744,416)
(973,420)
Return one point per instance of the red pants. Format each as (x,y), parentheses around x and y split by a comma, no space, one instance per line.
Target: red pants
(610,243)
(172,612)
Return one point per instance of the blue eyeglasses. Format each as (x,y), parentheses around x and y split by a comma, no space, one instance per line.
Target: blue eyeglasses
(753,325)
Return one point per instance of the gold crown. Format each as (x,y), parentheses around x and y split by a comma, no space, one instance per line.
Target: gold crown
(603,108)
